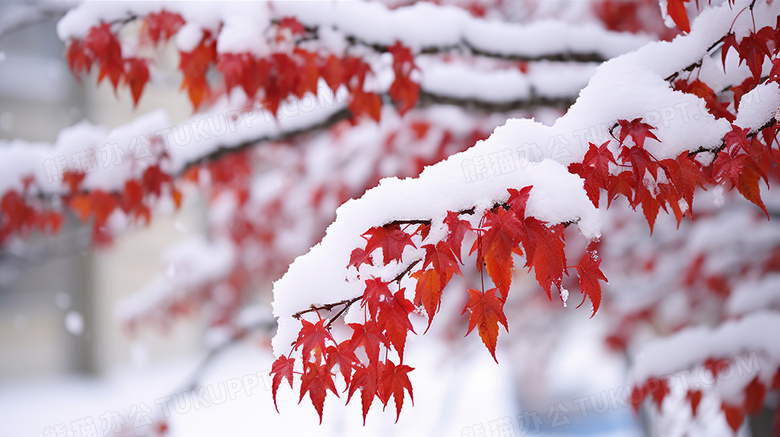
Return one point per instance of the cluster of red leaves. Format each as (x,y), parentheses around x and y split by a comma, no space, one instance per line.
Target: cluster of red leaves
(279,75)
(754,395)
(639,16)
(161,26)
(321,355)
(19,215)
(132,200)
(641,178)
(743,161)
(403,90)
(505,230)
(754,48)
(101,46)
(194,65)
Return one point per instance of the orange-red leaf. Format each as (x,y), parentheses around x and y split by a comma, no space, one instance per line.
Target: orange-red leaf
(428,292)
(486,311)
(676,10)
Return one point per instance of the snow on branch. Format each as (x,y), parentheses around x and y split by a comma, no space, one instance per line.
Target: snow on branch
(628,87)
(424,27)
(420,222)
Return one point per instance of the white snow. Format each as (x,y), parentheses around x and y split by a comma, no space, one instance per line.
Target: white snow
(692,346)
(623,88)
(74,323)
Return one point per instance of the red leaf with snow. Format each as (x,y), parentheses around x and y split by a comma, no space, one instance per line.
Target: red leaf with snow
(312,337)
(638,130)
(589,274)
(367,380)
(391,239)
(162,25)
(676,10)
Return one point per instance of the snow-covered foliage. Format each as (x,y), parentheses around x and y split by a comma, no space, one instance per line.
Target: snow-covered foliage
(385,111)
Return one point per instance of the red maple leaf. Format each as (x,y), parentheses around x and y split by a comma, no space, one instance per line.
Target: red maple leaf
(753,48)
(443,260)
(367,380)
(132,196)
(292,24)
(594,170)
(104,47)
(713,104)
(162,25)
(729,41)
(391,239)
(102,205)
(316,380)
(281,368)
(694,396)
(658,388)
(734,416)
(375,292)
(494,249)
(754,396)
(685,174)
(369,336)
(153,180)
(637,130)
(368,103)
(747,184)
(331,72)
(395,379)
(232,68)
(650,204)
(78,60)
(589,274)
(194,66)
(73,180)
(544,251)
(136,76)
(343,357)
(312,337)
(394,319)
(359,257)
(486,311)
(428,292)
(676,10)
(518,199)
(456,230)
